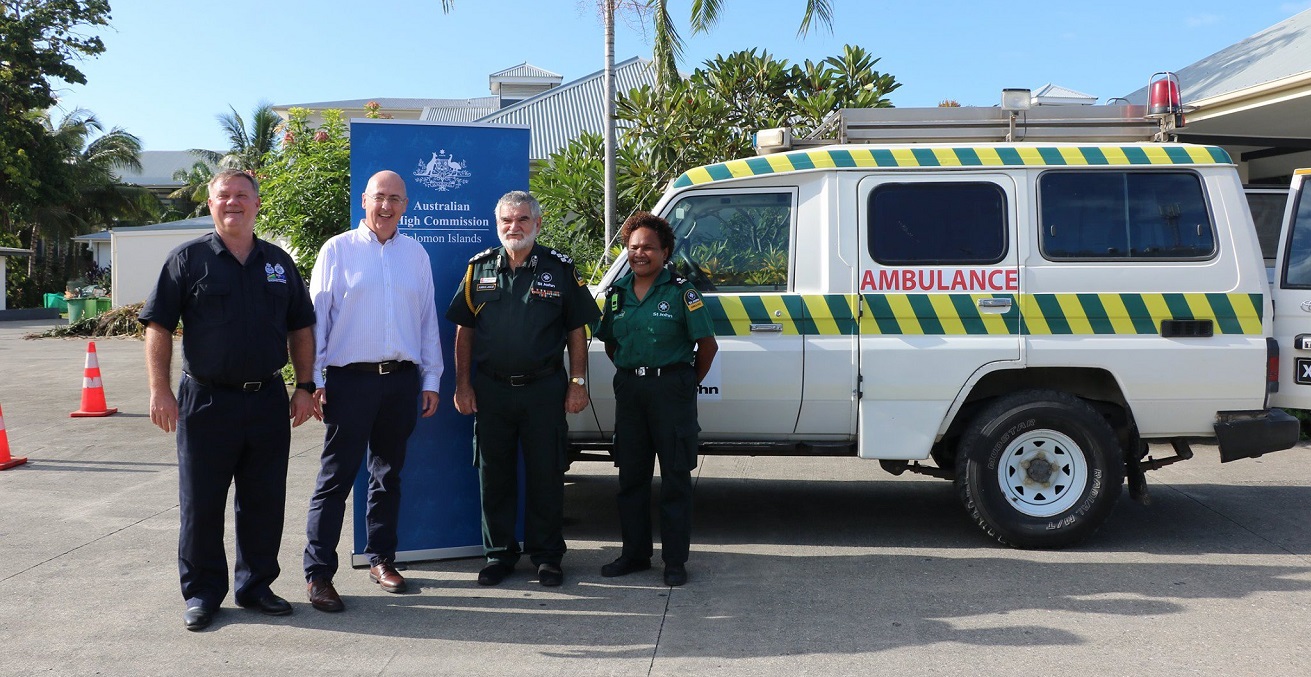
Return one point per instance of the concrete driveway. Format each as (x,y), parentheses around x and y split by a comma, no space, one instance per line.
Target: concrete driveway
(799,566)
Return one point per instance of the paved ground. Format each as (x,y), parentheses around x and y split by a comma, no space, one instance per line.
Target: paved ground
(826,566)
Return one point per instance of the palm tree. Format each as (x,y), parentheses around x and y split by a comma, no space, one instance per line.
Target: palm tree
(195,186)
(667,47)
(246,147)
(96,195)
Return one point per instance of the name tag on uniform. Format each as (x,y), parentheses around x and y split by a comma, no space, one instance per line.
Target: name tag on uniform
(486,284)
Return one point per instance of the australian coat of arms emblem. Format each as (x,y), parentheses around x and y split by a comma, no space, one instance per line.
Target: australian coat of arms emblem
(442,172)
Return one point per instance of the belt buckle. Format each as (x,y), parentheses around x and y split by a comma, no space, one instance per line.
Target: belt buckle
(642,371)
(251,386)
(518,380)
(385,368)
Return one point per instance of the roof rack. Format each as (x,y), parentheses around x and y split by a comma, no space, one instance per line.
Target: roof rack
(1042,124)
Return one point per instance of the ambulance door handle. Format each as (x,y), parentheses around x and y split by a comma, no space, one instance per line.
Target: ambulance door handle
(994,305)
(766,328)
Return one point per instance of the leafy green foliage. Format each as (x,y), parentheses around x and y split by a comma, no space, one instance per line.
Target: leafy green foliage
(39,40)
(707,118)
(305,186)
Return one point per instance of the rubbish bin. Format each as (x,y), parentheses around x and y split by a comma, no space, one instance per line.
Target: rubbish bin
(77,310)
(103,305)
(56,301)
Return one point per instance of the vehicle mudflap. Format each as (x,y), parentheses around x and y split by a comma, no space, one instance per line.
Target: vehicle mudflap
(1249,434)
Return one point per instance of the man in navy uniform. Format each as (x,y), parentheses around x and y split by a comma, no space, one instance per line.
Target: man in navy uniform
(518,307)
(243,308)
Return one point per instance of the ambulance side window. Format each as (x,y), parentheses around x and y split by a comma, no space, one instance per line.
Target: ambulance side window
(1124,215)
(937,223)
(733,242)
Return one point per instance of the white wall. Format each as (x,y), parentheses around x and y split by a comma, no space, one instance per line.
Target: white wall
(138,259)
(100,253)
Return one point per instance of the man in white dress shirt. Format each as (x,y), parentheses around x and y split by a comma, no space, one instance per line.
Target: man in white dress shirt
(378,360)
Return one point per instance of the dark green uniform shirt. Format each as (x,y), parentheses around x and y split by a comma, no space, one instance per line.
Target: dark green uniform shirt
(521,316)
(659,330)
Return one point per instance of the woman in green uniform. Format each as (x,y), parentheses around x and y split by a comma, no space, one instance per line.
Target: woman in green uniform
(659,335)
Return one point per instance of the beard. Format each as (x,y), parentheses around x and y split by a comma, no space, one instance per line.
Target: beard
(518,246)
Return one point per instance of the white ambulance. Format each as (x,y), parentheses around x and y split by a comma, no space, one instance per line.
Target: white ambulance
(1025,318)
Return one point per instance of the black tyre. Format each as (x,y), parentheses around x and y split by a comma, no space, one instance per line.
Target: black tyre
(1039,469)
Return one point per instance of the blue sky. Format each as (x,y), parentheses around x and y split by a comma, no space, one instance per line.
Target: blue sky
(170,67)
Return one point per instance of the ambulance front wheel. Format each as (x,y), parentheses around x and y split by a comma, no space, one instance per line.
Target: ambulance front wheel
(1039,469)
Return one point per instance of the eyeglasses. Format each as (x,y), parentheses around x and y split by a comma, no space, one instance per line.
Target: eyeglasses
(381,199)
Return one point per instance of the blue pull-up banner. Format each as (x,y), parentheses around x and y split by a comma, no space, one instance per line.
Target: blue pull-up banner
(454,174)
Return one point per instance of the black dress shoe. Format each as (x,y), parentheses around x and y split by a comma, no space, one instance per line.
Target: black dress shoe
(550,575)
(494,573)
(323,596)
(198,617)
(675,574)
(625,565)
(269,605)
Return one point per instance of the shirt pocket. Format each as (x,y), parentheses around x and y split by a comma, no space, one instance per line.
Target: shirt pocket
(212,304)
(483,297)
(276,298)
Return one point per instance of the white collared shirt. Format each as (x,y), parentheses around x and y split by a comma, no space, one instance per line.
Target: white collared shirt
(373,302)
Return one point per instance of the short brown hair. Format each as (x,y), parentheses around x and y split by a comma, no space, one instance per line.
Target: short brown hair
(648,220)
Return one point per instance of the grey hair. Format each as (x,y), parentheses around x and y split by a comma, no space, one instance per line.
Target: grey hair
(516,198)
(232,174)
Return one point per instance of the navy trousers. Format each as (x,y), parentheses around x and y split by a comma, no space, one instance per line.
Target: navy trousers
(364,412)
(226,438)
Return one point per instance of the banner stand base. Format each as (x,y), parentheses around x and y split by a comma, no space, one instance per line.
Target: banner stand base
(359,561)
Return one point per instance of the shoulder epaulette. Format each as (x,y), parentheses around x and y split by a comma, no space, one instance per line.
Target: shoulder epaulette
(483,255)
(564,258)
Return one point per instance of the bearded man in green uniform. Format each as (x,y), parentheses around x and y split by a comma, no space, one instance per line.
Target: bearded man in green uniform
(659,335)
(517,308)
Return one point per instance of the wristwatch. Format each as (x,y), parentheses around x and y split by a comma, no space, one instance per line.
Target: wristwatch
(307,386)
(579,380)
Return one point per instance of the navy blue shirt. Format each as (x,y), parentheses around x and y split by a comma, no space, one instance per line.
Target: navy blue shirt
(235,317)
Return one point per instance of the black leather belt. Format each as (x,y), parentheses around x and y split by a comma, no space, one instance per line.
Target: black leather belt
(245,387)
(656,371)
(380,367)
(517,380)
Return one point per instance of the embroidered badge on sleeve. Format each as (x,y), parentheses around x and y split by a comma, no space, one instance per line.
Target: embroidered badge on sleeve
(692,299)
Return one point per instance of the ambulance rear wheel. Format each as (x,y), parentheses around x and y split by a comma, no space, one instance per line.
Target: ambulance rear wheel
(1039,469)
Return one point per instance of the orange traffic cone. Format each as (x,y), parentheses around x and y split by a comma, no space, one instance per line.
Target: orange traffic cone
(93,391)
(7,461)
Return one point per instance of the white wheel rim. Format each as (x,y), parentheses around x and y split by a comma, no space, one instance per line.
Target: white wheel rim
(1042,473)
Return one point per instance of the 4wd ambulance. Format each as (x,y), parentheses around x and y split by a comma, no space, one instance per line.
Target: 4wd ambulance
(1024,318)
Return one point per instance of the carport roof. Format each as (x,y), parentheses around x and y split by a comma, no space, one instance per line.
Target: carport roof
(1255,93)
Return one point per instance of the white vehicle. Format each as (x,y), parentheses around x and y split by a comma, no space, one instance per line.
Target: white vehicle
(1027,319)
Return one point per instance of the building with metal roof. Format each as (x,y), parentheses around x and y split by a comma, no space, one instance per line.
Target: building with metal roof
(559,115)
(1254,99)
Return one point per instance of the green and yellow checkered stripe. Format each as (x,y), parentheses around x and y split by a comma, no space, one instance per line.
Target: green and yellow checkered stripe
(958,314)
(981,156)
